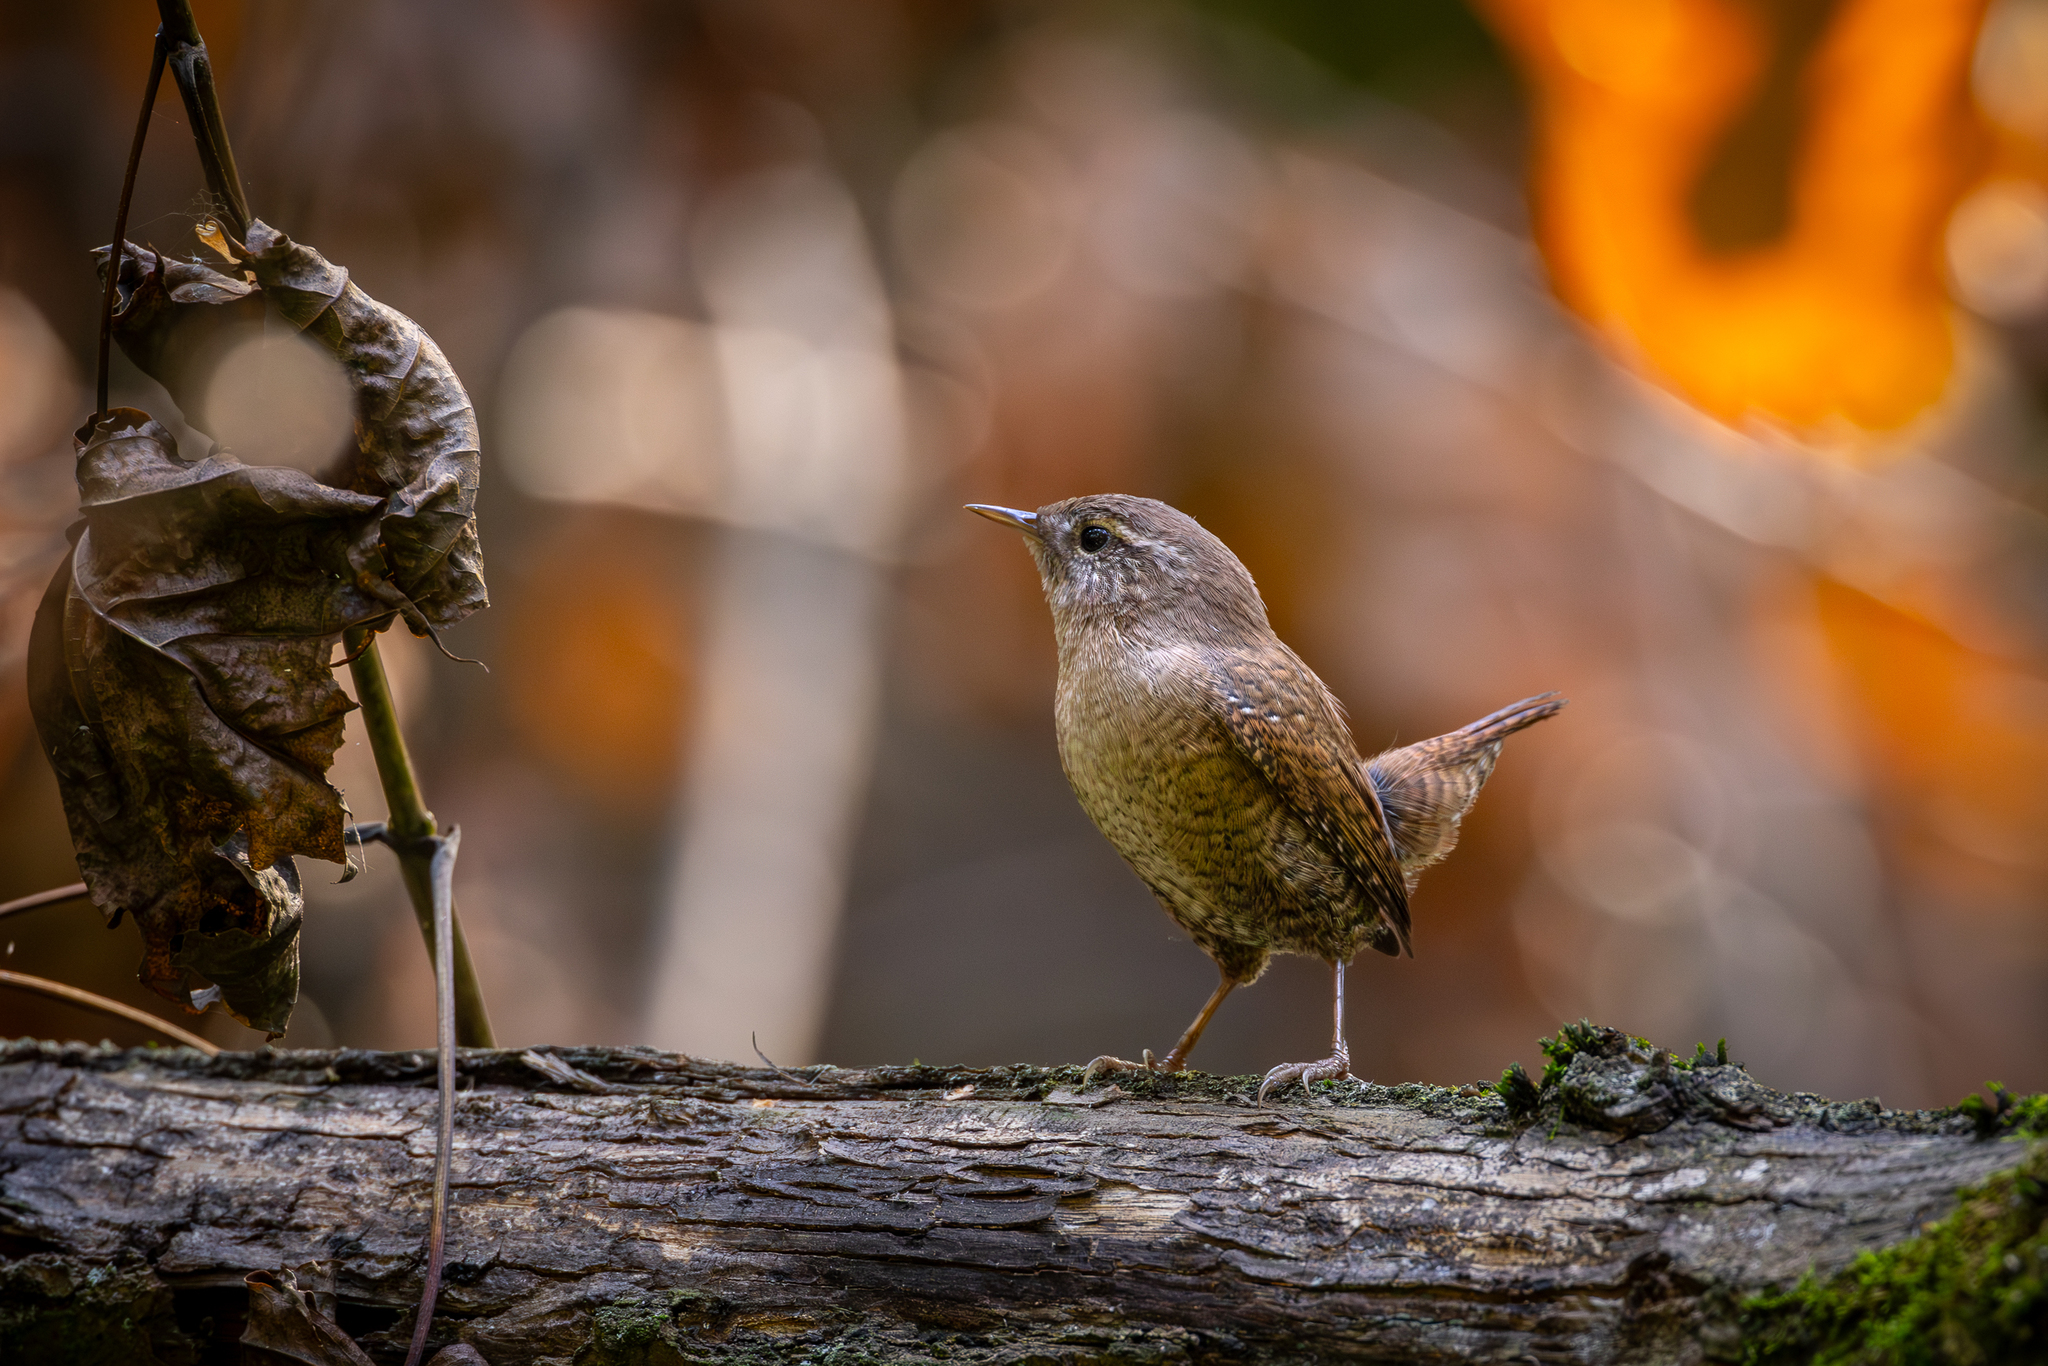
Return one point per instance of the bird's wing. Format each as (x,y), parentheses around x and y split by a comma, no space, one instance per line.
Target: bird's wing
(1427,787)
(1286,723)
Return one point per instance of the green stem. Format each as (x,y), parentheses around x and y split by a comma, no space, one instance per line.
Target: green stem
(409,821)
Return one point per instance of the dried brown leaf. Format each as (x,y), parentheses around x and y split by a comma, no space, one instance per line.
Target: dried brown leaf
(180,682)
(416,432)
(283,1328)
(176,319)
(214,237)
(179,664)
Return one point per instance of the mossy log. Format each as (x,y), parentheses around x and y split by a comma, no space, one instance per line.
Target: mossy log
(630,1206)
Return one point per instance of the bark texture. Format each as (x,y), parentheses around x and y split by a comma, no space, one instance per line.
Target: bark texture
(629,1206)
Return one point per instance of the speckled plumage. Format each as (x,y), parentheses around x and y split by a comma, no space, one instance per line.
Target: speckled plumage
(1218,764)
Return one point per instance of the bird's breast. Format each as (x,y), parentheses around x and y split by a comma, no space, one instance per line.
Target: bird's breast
(1146,748)
(1149,759)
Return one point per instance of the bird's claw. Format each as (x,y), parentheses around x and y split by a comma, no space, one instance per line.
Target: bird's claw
(1097,1066)
(1329,1069)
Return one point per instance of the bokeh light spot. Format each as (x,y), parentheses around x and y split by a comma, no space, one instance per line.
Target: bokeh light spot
(278,399)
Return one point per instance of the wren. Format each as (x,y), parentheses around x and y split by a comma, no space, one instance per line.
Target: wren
(1220,766)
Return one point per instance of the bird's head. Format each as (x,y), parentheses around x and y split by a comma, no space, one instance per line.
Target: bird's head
(1135,564)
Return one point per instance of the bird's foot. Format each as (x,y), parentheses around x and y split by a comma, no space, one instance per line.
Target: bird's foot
(1331,1068)
(1105,1063)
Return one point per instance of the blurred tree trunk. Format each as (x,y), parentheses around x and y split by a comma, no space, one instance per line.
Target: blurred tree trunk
(620,1206)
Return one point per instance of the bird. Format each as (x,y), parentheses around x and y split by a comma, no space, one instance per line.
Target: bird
(1221,767)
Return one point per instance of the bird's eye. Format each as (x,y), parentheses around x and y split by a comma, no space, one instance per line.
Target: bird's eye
(1094,538)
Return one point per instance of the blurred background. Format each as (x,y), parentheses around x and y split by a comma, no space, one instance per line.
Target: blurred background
(1688,356)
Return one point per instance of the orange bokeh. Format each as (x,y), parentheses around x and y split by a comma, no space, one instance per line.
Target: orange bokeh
(1957,739)
(1839,320)
(1833,322)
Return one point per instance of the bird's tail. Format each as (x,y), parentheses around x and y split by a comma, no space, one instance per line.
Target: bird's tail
(1426,788)
(1508,720)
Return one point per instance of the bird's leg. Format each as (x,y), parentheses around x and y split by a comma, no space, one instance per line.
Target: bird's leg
(1338,1064)
(1178,1058)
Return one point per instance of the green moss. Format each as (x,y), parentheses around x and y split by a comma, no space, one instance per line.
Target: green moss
(649,1330)
(1520,1093)
(630,1324)
(1971,1289)
(2000,1112)
(54,1309)
(1560,1051)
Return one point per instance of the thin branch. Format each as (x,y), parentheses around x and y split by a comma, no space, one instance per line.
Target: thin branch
(438,853)
(49,898)
(755,1039)
(409,826)
(442,877)
(114,252)
(92,1000)
(193,71)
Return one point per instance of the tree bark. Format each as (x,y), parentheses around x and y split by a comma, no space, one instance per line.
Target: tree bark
(624,1205)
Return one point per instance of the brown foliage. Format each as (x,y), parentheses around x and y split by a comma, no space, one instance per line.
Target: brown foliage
(179,667)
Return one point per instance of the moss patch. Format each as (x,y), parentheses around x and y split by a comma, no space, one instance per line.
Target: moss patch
(1571,1040)
(55,1308)
(2001,1112)
(1971,1289)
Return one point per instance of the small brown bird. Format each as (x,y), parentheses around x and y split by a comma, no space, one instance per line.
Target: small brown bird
(1220,766)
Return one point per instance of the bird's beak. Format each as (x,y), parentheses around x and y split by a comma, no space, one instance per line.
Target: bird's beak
(1026,522)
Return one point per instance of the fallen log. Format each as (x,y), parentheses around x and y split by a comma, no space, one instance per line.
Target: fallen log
(632,1206)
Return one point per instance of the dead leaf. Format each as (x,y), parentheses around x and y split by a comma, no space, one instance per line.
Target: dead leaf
(176,319)
(214,236)
(283,1328)
(179,678)
(416,432)
(179,663)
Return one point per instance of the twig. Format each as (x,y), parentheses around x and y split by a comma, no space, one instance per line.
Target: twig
(755,1039)
(408,825)
(115,251)
(438,853)
(442,876)
(566,1074)
(179,39)
(49,898)
(92,1000)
